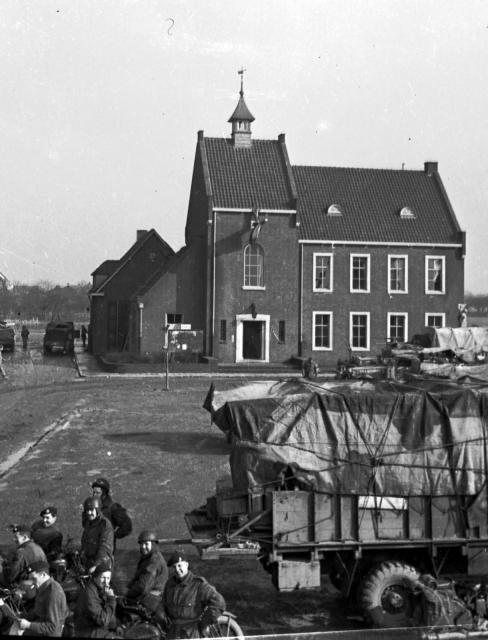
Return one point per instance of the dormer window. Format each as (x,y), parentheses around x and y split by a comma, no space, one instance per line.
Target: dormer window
(407,212)
(334,210)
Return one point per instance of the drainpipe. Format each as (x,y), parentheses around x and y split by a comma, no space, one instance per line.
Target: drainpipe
(214,239)
(141,307)
(300,309)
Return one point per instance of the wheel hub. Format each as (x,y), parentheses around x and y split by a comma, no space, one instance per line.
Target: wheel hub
(393,599)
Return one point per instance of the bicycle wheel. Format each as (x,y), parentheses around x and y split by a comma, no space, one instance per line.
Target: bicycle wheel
(226,627)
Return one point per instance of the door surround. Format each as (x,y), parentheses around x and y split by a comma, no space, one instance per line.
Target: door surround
(247,317)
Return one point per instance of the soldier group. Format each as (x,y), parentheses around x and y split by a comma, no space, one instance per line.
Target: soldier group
(183,603)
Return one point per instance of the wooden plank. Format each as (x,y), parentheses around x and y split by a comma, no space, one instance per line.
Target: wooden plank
(447,520)
(348,525)
(325,517)
(292,516)
(418,512)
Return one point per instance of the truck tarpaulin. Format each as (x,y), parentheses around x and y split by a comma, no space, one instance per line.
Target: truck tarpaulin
(424,437)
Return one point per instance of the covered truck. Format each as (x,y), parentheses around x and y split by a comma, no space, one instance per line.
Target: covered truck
(370,482)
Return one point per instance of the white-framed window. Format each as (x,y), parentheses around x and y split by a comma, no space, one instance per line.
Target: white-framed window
(359,330)
(322,331)
(397,274)
(397,327)
(253,267)
(435,320)
(359,272)
(435,274)
(322,272)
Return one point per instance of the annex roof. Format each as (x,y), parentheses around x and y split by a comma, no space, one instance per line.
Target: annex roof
(106,268)
(370,202)
(248,177)
(119,264)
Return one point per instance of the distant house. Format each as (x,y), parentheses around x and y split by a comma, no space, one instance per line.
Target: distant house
(115,310)
(284,260)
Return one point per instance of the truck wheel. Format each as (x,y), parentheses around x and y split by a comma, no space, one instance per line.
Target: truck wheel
(386,595)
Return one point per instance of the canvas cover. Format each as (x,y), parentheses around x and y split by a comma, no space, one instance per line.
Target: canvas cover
(424,437)
(460,339)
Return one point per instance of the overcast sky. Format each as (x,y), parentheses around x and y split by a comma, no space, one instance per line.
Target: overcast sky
(101,101)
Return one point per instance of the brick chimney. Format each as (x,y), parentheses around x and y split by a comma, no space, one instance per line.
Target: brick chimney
(430,168)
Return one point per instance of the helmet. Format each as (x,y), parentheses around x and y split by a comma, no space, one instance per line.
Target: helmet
(92,503)
(102,483)
(147,536)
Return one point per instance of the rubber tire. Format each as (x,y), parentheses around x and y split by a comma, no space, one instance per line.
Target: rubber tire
(397,576)
(227,627)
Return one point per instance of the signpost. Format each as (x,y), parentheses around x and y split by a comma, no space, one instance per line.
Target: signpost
(166,354)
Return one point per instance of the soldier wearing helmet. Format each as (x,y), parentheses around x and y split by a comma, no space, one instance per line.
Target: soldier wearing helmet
(97,540)
(113,511)
(147,585)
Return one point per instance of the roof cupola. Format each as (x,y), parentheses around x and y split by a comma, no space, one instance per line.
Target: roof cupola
(241,120)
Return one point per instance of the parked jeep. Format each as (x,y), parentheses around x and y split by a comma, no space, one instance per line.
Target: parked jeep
(59,337)
(7,336)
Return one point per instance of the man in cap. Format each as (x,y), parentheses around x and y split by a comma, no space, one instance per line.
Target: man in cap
(45,533)
(113,511)
(50,608)
(191,604)
(147,585)
(25,554)
(94,615)
(97,540)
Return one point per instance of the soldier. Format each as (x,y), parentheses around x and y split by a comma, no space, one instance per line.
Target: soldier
(94,615)
(26,553)
(113,511)
(191,604)
(45,533)
(147,585)
(310,369)
(98,536)
(24,332)
(50,608)
(2,370)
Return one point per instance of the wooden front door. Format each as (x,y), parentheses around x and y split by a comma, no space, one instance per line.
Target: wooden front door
(252,340)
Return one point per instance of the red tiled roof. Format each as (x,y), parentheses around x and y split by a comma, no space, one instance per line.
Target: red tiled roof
(247,177)
(371,200)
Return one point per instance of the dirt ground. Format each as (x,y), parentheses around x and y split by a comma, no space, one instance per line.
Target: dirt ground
(162,456)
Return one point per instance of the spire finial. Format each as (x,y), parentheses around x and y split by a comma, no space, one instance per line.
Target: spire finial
(241,73)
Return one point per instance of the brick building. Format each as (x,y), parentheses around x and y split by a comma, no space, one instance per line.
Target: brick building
(282,260)
(115,309)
